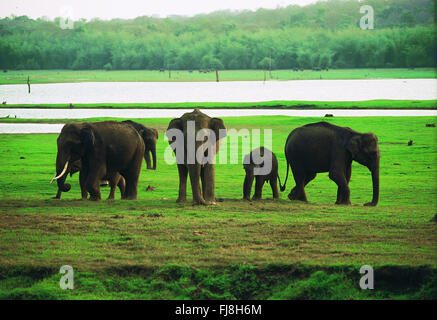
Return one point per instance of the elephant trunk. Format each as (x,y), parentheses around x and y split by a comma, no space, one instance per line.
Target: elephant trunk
(154,157)
(375,182)
(62,164)
(148,160)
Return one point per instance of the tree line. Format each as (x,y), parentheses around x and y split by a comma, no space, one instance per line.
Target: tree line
(322,35)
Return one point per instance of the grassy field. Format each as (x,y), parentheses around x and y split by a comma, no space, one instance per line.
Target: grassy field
(57,76)
(370,104)
(154,248)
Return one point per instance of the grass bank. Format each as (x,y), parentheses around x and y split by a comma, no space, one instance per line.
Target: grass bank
(370,104)
(278,282)
(59,76)
(214,246)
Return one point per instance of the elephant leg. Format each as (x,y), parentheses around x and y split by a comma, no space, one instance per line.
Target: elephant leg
(274,185)
(298,192)
(93,187)
(259,183)
(343,192)
(348,178)
(82,182)
(309,177)
(194,171)
(247,186)
(122,186)
(113,181)
(58,194)
(208,183)
(183,173)
(131,175)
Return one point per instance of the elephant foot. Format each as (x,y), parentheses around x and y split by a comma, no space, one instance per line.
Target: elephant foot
(199,202)
(211,203)
(246,198)
(256,198)
(95,198)
(181,200)
(343,203)
(292,197)
(370,204)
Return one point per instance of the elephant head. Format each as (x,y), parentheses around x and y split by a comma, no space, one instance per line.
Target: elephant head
(363,148)
(200,135)
(150,136)
(73,142)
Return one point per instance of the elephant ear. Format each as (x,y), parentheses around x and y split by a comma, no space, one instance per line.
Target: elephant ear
(149,134)
(175,124)
(87,137)
(217,125)
(353,145)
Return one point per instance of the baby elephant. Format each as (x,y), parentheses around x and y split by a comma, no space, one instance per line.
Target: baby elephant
(261,164)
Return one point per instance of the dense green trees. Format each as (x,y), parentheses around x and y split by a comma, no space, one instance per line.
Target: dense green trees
(322,35)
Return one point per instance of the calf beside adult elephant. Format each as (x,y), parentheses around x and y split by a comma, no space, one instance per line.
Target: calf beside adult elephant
(188,128)
(114,180)
(270,175)
(104,148)
(323,147)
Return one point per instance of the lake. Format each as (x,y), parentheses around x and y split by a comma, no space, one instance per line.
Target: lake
(231,91)
(173,113)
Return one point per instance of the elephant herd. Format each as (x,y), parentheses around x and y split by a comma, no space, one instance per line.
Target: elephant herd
(113,151)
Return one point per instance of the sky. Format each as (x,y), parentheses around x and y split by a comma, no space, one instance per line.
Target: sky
(126,9)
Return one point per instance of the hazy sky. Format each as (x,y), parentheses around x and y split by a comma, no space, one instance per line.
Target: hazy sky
(108,9)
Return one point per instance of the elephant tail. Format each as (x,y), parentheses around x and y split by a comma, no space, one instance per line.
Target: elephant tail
(282,187)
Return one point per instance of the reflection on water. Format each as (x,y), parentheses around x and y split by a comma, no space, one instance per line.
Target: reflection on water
(230,91)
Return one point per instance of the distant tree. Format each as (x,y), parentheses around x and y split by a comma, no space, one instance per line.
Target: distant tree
(266,64)
(107,66)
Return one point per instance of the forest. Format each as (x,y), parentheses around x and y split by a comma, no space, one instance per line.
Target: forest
(322,35)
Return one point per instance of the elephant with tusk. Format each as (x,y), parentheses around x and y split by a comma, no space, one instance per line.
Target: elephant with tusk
(105,149)
(114,180)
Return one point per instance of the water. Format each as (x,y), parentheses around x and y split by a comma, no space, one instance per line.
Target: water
(235,91)
(174,113)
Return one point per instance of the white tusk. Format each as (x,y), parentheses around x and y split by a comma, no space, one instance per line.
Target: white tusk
(62,173)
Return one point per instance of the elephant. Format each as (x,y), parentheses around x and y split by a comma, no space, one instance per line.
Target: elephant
(150,136)
(324,147)
(189,127)
(104,148)
(115,180)
(249,165)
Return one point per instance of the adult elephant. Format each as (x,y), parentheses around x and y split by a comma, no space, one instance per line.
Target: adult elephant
(191,126)
(114,179)
(323,147)
(150,136)
(104,149)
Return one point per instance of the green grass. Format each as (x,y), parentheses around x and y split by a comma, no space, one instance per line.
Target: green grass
(121,248)
(370,104)
(57,76)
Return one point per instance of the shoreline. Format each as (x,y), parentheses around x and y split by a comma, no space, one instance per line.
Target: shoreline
(382,104)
